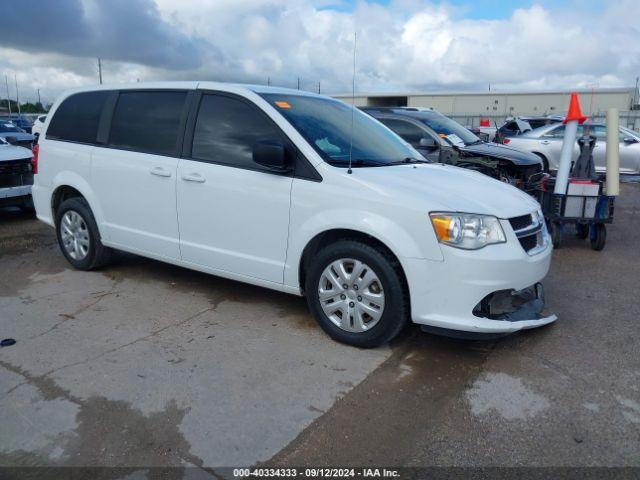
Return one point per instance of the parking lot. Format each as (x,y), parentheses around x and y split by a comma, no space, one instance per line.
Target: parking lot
(146,364)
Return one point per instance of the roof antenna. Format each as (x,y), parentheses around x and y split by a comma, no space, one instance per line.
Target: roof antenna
(353,102)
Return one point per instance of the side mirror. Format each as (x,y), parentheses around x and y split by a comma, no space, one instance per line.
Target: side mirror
(427,142)
(629,140)
(270,154)
(11,139)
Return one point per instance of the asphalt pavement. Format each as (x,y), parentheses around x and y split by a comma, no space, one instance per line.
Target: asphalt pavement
(145,364)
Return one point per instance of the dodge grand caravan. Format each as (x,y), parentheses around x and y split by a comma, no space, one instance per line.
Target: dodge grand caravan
(296,192)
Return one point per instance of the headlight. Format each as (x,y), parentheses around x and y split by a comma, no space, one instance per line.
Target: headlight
(466,230)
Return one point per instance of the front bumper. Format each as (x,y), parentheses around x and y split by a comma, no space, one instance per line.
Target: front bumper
(447,294)
(14,196)
(11,192)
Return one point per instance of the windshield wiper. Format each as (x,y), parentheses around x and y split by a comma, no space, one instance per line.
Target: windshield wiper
(358,162)
(476,142)
(410,160)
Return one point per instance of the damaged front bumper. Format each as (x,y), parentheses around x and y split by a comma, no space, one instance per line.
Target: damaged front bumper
(511,310)
(513,305)
(494,291)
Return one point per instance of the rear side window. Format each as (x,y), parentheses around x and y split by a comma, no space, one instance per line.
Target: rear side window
(227,129)
(148,121)
(77,117)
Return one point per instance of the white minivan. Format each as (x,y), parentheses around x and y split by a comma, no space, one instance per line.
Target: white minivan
(296,192)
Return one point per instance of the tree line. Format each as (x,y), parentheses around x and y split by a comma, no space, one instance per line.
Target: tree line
(28,107)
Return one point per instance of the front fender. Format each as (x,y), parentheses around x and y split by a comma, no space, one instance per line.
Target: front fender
(402,243)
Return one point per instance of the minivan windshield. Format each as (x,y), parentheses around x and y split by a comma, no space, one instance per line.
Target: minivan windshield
(449,129)
(327,125)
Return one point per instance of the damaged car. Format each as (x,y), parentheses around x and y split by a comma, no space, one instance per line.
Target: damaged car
(443,140)
(16,176)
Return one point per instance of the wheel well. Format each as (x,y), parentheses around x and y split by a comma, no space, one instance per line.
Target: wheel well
(545,162)
(61,194)
(331,236)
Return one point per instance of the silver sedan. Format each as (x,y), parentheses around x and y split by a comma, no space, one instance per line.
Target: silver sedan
(546,142)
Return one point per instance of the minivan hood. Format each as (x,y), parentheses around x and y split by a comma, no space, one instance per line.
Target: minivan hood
(12,152)
(502,152)
(448,188)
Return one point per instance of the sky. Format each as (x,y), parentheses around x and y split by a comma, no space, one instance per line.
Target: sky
(402,45)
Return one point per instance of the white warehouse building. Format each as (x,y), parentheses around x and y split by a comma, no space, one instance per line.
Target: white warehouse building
(470,107)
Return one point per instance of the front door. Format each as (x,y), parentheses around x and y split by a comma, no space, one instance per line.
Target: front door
(233,214)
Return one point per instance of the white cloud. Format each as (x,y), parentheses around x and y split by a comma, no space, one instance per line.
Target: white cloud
(405,45)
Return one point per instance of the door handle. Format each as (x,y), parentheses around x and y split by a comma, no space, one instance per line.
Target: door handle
(160,172)
(194,177)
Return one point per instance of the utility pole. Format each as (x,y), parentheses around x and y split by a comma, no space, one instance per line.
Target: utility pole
(100,70)
(318,86)
(298,83)
(15,77)
(6,81)
(268,81)
(39,101)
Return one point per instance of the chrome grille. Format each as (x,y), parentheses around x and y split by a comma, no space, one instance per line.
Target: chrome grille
(16,173)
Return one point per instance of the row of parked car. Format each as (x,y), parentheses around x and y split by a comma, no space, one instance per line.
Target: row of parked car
(518,152)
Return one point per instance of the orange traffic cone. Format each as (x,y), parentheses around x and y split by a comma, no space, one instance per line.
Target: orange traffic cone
(574,112)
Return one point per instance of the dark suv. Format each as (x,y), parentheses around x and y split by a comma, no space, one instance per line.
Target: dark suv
(443,140)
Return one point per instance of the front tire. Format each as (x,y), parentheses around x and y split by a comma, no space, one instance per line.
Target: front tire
(357,293)
(545,162)
(78,235)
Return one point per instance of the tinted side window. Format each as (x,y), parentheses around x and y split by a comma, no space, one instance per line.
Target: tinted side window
(77,117)
(409,132)
(227,129)
(148,121)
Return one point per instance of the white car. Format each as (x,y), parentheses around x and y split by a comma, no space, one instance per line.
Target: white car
(295,192)
(38,125)
(546,142)
(16,176)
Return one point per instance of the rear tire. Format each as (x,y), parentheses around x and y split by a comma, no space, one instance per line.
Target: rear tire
(78,235)
(376,275)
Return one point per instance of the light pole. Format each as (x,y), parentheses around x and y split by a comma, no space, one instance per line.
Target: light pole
(15,77)
(6,81)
